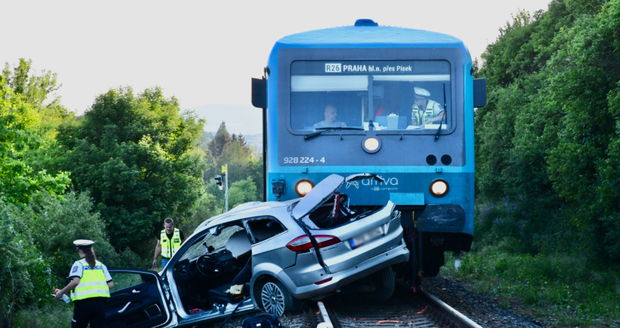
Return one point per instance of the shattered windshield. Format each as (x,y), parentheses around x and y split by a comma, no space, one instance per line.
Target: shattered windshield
(370,95)
(209,243)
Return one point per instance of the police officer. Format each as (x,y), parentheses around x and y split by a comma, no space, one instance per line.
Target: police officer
(168,243)
(89,286)
(424,110)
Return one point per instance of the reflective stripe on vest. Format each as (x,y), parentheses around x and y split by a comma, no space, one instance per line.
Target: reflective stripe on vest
(170,246)
(92,284)
(428,113)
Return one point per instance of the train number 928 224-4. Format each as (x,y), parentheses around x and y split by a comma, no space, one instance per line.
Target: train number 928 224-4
(303,160)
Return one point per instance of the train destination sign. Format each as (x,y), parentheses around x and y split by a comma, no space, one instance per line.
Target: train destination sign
(374,67)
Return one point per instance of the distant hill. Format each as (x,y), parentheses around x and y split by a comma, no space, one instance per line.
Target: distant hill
(256,141)
(243,119)
(239,119)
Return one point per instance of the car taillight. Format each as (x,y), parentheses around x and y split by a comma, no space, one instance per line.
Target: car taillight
(303,243)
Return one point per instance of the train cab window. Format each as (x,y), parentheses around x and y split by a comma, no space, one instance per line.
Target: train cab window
(413,96)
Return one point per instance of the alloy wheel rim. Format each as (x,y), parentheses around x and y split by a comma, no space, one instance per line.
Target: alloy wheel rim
(273,298)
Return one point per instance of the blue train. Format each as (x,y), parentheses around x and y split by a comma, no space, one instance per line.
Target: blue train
(392,101)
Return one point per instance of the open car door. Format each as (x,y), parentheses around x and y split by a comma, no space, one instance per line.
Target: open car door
(137,300)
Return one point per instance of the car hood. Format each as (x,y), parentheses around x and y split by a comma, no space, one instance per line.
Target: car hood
(324,190)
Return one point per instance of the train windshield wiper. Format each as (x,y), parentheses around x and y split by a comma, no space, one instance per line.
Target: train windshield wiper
(322,129)
(445,108)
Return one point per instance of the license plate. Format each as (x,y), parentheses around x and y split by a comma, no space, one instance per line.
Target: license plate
(365,237)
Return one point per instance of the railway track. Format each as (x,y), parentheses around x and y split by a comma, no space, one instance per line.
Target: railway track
(404,309)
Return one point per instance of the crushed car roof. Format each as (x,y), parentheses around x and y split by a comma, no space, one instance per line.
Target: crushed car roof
(243,211)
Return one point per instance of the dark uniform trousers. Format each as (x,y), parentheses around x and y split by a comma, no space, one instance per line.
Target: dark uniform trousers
(89,310)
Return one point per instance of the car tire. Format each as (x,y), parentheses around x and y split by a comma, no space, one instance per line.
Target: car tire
(384,283)
(276,299)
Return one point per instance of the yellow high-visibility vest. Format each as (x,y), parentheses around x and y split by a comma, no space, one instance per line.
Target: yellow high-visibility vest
(428,112)
(92,284)
(170,246)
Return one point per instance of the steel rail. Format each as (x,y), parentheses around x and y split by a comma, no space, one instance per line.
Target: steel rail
(459,319)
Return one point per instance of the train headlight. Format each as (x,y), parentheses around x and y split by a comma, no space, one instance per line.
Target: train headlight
(439,188)
(371,145)
(303,187)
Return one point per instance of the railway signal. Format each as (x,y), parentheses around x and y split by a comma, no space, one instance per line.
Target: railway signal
(218,182)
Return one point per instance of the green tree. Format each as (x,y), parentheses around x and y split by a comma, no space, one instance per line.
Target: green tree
(241,192)
(234,151)
(138,159)
(207,207)
(22,135)
(37,90)
(221,140)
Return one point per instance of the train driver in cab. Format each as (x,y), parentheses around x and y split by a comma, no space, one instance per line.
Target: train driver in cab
(331,118)
(425,110)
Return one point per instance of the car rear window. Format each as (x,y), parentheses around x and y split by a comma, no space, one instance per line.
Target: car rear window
(329,215)
(263,229)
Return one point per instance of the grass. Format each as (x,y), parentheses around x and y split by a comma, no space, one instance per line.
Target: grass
(558,289)
(54,314)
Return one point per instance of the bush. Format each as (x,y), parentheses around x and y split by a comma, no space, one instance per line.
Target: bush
(37,252)
(25,273)
(505,225)
(56,222)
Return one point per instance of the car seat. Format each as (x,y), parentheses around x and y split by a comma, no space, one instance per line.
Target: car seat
(236,290)
(239,245)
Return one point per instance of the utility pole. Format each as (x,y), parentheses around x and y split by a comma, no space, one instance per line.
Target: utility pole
(225,172)
(223,184)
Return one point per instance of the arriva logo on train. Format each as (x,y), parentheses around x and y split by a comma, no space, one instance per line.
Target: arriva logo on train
(339,68)
(371,182)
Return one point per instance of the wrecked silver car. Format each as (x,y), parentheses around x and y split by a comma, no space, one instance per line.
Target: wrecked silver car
(265,255)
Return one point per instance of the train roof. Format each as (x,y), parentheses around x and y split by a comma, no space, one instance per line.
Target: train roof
(367,32)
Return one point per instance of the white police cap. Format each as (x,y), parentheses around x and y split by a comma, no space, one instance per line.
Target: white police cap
(419,92)
(83,243)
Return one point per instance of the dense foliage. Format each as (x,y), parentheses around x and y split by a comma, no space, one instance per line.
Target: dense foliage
(548,151)
(112,176)
(547,142)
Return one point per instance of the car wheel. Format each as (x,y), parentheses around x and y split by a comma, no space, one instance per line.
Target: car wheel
(275,299)
(384,284)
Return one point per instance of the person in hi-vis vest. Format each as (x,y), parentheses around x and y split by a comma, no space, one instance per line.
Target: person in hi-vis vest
(425,110)
(89,287)
(169,241)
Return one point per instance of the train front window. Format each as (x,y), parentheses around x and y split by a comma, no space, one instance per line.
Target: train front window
(377,95)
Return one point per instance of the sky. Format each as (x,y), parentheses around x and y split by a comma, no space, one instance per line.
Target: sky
(204,53)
